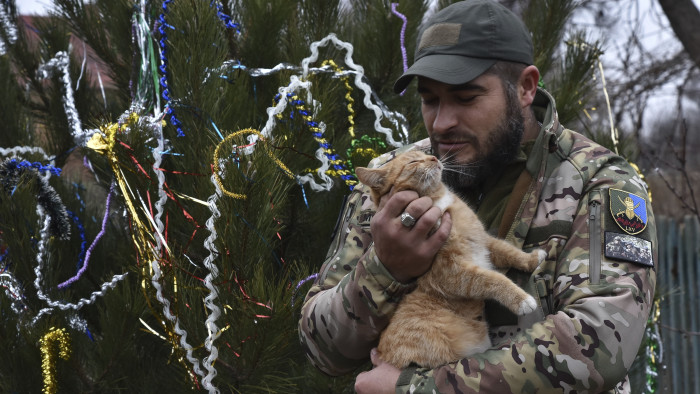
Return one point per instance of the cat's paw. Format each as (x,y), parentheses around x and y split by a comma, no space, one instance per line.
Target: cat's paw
(536,258)
(528,305)
(541,255)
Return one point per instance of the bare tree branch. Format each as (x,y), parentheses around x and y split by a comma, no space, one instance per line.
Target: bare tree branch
(685,19)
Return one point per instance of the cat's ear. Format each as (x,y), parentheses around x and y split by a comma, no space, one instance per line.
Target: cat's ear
(372,177)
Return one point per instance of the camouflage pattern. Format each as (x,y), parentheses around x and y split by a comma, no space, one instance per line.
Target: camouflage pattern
(592,309)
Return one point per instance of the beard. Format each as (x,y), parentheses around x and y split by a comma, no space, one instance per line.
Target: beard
(501,147)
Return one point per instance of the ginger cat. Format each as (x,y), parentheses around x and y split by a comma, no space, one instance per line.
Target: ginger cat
(442,319)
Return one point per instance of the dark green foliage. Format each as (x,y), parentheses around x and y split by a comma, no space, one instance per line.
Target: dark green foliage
(266,243)
(566,59)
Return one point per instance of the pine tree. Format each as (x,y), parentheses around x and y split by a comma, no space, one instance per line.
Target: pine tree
(174,250)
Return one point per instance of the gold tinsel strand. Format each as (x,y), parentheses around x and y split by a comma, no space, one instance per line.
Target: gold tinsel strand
(217,168)
(48,357)
(348,95)
(141,234)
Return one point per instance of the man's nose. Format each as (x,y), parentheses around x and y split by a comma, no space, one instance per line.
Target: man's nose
(445,119)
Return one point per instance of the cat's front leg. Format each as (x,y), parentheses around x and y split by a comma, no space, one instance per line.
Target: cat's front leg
(505,255)
(468,279)
(487,284)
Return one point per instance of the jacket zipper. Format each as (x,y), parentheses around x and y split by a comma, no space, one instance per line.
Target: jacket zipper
(338,239)
(594,238)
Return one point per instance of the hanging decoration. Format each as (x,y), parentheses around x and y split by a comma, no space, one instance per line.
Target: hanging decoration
(9,28)
(44,222)
(402,37)
(13,290)
(217,161)
(162,25)
(339,167)
(348,94)
(11,171)
(356,150)
(359,82)
(212,330)
(59,64)
(94,243)
(148,231)
(654,349)
(55,338)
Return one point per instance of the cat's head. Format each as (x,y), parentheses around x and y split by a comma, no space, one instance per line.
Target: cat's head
(412,170)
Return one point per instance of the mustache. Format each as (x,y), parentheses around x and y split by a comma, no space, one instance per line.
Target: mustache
(449,158)
(455,137)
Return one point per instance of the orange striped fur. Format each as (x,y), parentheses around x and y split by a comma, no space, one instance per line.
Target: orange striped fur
(442,319)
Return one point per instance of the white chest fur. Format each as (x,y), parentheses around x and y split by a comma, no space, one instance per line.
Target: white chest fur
(444,201)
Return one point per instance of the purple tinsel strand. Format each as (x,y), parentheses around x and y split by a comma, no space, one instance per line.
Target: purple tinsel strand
(403,37)
(94,243)
(301,282)
(308,278)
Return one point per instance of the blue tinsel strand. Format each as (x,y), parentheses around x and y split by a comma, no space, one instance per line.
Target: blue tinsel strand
(225,18)
(78,197)
(162,24)
(38,166)
(164,67)
(312,124)
(81,229)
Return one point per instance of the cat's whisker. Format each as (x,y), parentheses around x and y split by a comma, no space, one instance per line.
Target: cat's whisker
(462,167)
(448,156)
(426,178)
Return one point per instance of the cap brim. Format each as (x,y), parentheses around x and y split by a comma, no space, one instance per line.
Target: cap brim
(449,69)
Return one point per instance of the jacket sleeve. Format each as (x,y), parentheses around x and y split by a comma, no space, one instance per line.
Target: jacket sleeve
(352,298)
(591,338)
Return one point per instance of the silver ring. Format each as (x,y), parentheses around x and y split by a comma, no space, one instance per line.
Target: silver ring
(407,220)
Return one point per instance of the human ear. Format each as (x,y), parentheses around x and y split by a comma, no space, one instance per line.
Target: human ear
(527,85)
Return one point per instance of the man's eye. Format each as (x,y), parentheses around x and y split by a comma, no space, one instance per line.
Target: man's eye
(466,99)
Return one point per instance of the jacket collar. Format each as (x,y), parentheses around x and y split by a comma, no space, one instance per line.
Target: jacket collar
(547,140)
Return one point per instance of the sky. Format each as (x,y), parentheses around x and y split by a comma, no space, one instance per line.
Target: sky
(33,6)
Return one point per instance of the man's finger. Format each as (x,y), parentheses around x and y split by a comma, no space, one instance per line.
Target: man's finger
(398,202)
(374,356)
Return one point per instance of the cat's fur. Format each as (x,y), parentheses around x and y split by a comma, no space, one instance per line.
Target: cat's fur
(442,319)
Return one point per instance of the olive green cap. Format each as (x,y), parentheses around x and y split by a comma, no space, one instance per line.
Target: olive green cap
(463,40)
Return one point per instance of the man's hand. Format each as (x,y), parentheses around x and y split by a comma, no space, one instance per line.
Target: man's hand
(408,252)
(381,379)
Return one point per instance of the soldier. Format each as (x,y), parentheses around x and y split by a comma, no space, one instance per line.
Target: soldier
(532,182)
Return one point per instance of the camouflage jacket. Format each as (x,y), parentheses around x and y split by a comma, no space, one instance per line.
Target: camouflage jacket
(587,208)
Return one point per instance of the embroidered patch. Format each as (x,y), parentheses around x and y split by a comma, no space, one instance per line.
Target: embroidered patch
(628,248)
(629,211)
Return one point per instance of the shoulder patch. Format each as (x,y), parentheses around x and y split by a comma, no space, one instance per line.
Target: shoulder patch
(626,247)
(628,210)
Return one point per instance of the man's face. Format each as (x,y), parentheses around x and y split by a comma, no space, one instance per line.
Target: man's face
(474,128)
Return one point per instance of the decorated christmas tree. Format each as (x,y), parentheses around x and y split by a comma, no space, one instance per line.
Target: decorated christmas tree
(171,173)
